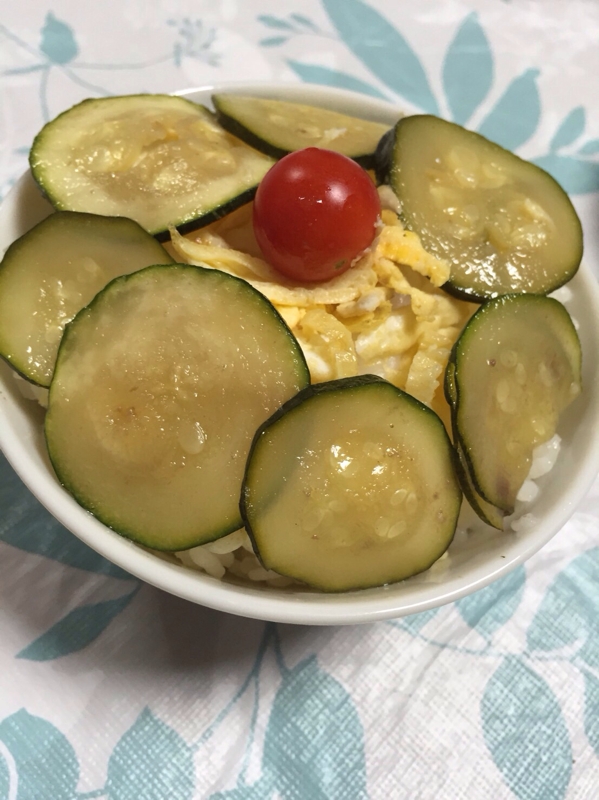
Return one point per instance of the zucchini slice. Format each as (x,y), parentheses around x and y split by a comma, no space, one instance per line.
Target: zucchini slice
(53,271)
(158,159)
(489,513)
(349,485)
(159,386)
(514,369)
(278,127)
(504,224)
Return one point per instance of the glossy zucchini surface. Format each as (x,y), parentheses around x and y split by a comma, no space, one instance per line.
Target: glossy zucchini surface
(513,370)
(53,271)
(351,485)
(159,386)
(159,159)
(278,127)
(504,224)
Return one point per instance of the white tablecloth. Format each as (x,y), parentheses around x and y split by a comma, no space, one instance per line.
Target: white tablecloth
(113,689)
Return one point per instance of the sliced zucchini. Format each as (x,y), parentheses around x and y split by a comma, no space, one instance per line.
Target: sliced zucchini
(504,224)
(53,271)
(489,513)
(159,386)
(351,484)
(278,127)
(513,370)
(158,159)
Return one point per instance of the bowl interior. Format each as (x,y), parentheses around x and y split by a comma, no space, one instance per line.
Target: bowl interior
(474,560)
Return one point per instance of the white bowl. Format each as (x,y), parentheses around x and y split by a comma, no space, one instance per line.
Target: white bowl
(473,562)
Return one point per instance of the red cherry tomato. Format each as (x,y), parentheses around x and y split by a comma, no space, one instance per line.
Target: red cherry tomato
(314,212)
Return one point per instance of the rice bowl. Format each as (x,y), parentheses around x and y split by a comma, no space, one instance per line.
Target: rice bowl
(477,556)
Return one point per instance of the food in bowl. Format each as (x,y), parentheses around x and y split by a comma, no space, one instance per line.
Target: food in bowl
(384,315)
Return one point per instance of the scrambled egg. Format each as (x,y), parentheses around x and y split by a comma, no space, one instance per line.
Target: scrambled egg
(385,315)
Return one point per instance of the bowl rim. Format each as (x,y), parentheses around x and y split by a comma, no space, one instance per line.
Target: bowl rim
(298,607)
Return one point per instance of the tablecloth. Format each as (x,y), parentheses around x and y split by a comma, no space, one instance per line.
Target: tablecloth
(110,688)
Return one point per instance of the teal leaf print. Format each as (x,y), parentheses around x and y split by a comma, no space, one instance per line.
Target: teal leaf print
(314,747)
(26,524)
(58,41)
(591,710)
(575,175)
(516,115)
(302,20)
(467,70)
(570,129)
(383,50)
(150,762)
(416,622)
(77,630)
(589,148)
(275,22)
(525,732)
(261,790)
(45,760)
(311,73)
(25,70)
(4,778)
(491,607)
(569,611)
(273,41)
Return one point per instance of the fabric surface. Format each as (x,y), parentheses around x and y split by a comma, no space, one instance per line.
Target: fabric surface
(110,688)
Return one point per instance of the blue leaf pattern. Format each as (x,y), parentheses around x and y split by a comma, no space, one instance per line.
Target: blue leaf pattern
(150,762)
(25,524)
(312,73)
(416,622)
(4,779)
(58,41)
(383,50)
(575,175)
(77,630)
(525,732)
(569,611)
(273,41)
(589,148)
(591,710)
(313,747)
(46,763)
(570,129)
(275,22)
(467,70)
(491,607)
(516,115)
(307,23)
(261,790)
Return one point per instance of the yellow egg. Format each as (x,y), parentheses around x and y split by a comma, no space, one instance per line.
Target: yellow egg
(386,315)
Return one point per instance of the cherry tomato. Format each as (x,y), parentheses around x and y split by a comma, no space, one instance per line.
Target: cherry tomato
(314,212)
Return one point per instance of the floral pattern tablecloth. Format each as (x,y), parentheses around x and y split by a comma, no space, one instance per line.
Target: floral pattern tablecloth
(110,688)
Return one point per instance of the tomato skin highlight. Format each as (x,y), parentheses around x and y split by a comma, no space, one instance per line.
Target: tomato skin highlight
(315,211)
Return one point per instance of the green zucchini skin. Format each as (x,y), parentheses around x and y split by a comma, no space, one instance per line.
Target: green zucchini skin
(530,333)
(242,199)
(127,473)
(68,248)
(225,105)
(248,136)
(383,157)
(253,507)
(125,156)
(483,263)
(489,513)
